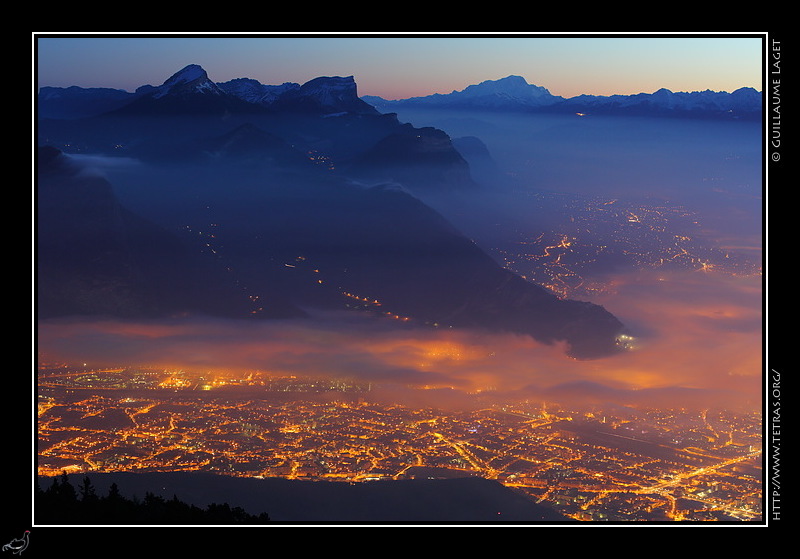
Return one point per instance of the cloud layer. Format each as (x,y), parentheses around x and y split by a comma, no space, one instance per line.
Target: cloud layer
(698,336)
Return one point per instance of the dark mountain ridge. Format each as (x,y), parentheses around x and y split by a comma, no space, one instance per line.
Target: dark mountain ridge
(295,234)
(416,156)
(96,257)
(78,102)
(324,95)
(324,118)
(191,91)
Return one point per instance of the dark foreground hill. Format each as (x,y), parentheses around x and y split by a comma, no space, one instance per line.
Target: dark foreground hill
(467,499)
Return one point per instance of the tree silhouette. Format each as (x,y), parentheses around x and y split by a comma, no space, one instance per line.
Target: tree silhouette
(60,504)
(87,490)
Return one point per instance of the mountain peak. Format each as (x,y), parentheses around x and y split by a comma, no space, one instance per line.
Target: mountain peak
(510,92)
(253,91)
(192,78)
(327,94)
(187,74)
(513,85)
(510,80)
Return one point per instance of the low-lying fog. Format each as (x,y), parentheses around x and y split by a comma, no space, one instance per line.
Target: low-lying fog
(714,167)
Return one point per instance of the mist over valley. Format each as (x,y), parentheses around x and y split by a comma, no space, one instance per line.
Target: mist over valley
(433,219)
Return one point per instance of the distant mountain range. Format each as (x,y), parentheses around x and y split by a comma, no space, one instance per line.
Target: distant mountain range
(268,202)
(513,93)
(190,91)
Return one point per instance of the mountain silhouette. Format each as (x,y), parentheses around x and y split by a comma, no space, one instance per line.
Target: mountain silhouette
(424,157)
(292,233)
(95,257)
(513,94)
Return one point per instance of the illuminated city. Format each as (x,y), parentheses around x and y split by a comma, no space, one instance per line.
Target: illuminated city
(597,234)
(591,464)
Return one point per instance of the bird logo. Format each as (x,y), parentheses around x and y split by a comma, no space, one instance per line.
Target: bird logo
(18,545)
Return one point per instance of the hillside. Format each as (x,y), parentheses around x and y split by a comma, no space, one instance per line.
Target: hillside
(467,499)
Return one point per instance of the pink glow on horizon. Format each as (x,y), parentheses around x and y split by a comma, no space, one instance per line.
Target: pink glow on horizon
(398,68)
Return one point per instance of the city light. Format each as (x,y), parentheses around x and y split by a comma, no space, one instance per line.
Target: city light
(590,464)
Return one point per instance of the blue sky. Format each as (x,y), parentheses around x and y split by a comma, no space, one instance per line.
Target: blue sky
(406,66)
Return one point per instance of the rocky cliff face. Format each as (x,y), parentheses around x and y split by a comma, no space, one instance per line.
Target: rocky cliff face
(325,95)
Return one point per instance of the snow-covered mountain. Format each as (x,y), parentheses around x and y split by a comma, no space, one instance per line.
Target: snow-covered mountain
(192,79)
(511,92)
(514,93)
(191,90)
(256,92)
(326,95)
